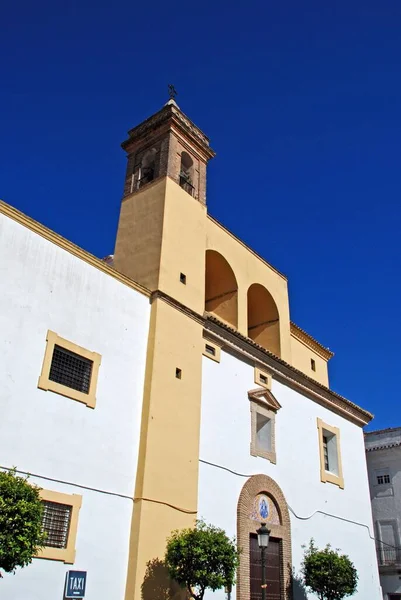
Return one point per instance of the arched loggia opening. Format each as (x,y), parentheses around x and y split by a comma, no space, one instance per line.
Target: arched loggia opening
(221,295)
(263,319)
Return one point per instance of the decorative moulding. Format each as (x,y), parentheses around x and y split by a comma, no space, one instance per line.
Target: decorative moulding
(265,398)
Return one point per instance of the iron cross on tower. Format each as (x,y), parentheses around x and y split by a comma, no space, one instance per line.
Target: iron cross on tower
(172,92)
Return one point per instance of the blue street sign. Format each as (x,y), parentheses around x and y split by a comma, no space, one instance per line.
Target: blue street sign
(75,584)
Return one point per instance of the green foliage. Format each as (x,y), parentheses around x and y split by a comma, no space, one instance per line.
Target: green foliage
(201,558)
(329,574)
(20,521)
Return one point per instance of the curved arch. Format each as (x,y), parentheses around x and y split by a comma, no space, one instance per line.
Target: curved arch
(278,522)
(221,288)
(148,167)
(187,173)
(263,318)
(186,163)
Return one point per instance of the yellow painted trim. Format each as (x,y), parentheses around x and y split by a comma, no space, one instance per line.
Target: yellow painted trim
(171,476)
(216,222)
(310,342)
(326,476)
(217,350)
(55,238)
(46,384)
(263,378)
(66,555)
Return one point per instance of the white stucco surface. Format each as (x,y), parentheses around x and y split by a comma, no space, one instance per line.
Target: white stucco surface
(44,287)
(225,441)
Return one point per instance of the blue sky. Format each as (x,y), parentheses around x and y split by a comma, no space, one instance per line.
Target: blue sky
(301,101)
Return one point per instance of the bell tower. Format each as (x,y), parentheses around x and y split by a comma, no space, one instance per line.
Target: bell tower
(161,244)
(167,144)
(161,233)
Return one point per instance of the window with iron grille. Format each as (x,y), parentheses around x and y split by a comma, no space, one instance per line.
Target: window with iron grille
(326,453)
(383,477)
(330,454)
(71,369)
(56,523)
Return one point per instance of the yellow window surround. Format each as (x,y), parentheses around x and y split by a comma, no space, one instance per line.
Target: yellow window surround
(47,384)
(211,350)
(263,378)
(262,402)
(329,476)
(67,554)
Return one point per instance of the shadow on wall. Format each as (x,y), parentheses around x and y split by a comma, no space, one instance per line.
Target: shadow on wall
(298,588)
(157,585)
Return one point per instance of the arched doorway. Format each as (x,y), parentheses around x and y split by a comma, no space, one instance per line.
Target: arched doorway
(261,500)
(221,289)
(263,318)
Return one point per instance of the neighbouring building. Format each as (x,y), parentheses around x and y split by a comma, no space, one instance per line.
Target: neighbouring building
(167,383)
(383,455)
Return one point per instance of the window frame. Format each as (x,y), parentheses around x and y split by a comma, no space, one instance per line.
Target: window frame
(44,383)
(267,407)
(383,473)
(258,372)
(217,350)
(67,554)
(329,476)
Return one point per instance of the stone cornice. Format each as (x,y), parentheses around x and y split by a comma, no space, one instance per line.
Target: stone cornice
(286,373)
(173,117)
(57,239)
(230,339)
(309,341)
(226,336)
(383,447)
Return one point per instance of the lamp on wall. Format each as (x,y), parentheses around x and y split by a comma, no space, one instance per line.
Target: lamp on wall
(263,541)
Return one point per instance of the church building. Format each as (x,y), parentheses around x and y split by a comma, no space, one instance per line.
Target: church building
(168,383)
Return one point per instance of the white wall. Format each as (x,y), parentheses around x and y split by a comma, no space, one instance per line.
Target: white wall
(225,441)
(44,287)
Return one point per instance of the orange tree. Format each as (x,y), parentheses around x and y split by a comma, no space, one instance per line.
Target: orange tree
(21,512)
(201,558)
(329,574)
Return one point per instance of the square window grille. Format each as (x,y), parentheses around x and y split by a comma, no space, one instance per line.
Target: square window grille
(56,523)
(70,369)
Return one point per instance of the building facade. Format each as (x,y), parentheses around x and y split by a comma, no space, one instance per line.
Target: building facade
(80,447)
(383,455)
(169,383)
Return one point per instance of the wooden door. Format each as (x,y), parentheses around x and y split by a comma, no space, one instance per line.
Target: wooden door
(273,570)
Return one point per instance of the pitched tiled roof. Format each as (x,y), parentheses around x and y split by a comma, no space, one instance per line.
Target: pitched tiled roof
(353,407)
(295,329)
